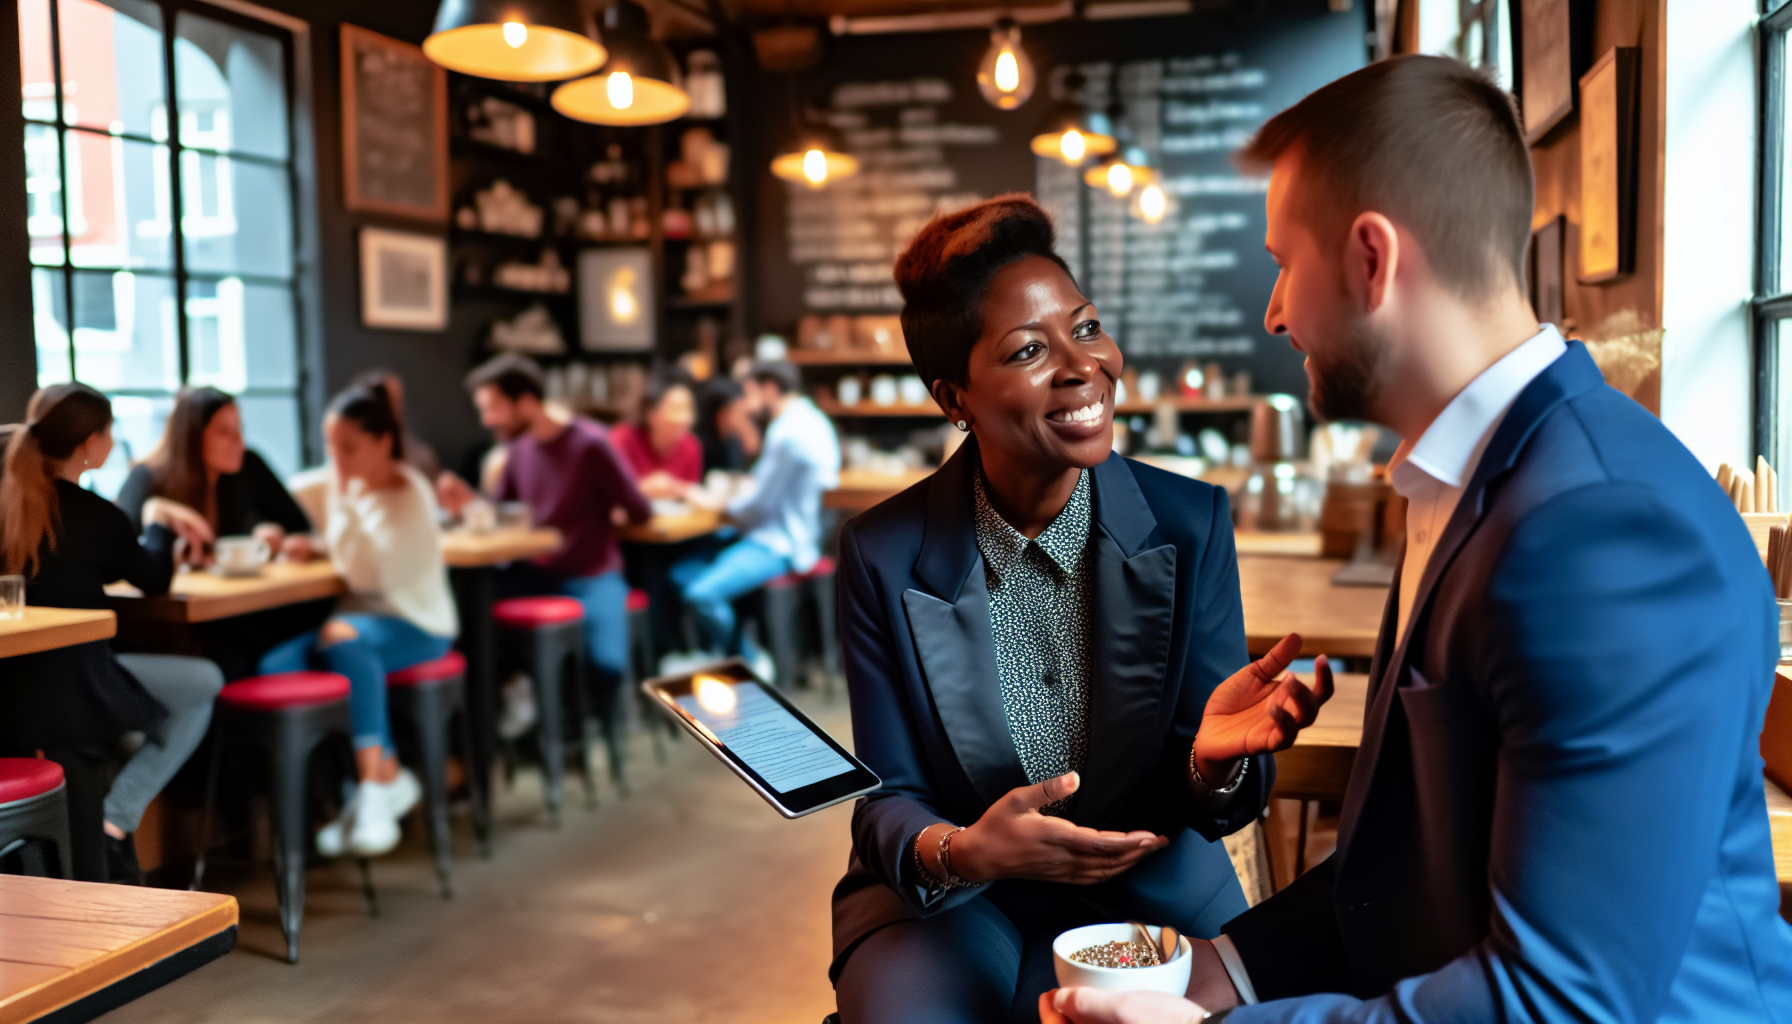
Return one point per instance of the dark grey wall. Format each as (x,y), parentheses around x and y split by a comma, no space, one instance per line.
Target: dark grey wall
(18,345)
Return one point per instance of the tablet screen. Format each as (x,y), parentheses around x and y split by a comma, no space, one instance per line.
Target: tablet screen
(757,729)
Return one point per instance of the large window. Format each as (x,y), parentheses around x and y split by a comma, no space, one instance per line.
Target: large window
(1773,281)
(160,207)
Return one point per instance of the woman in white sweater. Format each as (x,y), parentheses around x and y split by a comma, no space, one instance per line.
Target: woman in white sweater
(378,517)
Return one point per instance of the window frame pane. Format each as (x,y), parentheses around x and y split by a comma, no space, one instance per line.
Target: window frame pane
(1772,304)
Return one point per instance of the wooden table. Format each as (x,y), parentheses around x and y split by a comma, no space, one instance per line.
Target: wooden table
(860,489)
(203,597)
(1304,545)
(1285,595)
(676,528)
(44,629)
(1317,767)
(80,949)
(462,550)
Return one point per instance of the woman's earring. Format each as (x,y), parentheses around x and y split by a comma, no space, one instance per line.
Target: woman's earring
(962,426)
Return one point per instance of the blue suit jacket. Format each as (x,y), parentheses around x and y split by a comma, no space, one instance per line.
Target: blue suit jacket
(1556,812)
(927,709)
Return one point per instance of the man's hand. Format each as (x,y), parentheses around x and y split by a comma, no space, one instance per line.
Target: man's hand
(452,493)
(1014,840)
(298,547)
(1096,1006)
(1259,710)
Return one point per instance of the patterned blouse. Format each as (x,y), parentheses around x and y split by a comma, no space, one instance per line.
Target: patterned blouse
(1041,610)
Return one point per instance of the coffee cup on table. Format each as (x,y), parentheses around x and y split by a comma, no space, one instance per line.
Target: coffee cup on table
(241,556)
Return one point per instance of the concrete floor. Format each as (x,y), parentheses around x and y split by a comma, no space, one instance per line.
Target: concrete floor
(691,900)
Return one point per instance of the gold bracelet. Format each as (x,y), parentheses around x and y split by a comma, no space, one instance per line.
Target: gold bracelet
(946,856)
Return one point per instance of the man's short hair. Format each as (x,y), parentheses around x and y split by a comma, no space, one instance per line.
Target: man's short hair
(1427,141)
(946,269)
(783,374)
(510,373)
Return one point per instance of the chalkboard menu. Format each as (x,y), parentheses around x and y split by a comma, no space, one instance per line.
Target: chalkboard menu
(394,127)
(1194,88)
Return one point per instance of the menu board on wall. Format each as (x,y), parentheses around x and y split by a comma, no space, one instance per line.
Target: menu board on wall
(1194,89)
(394,127)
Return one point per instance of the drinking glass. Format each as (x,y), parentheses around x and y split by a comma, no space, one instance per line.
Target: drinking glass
(12,597)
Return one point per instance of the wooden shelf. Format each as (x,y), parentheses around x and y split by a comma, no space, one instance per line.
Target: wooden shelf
(498,291)
(832,407)
(844,357)
(1231,403)
(460,234)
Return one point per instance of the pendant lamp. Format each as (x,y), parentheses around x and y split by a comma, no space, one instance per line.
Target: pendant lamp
(1152,204)
(1005,75)
(637,85)
(1122,173)
(1073,133)
(815,165)
(513,40)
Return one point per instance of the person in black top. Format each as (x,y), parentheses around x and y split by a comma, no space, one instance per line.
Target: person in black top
(74,702)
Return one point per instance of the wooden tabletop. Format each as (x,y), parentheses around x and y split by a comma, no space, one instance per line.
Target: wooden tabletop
(1285,595)
(860,489)
(43,629)
(65,943)
(1249,542)
(462,550)
(671,529)
(203,597)
(1318,766)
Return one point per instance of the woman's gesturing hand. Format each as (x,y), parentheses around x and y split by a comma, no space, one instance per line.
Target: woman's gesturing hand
(1259,710)
(1014,840)
(186,523)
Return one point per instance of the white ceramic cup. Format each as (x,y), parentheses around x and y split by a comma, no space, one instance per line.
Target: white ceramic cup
(1171,977)
(241,556)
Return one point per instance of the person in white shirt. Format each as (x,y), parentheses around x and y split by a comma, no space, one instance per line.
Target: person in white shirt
(378,518)
(779,512)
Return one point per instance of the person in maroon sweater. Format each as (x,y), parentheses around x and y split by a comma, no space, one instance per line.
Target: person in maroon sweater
(666,457)
(572,479)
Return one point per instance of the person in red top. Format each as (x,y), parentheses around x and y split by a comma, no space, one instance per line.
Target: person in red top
(572,479)
(666,457)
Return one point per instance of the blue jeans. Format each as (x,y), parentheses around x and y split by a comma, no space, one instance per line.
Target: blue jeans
(710,585)
(186,687)
(383,644)
(605,598)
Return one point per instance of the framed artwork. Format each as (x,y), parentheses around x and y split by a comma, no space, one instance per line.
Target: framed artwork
(404,280)
(616,299)
(394,128)
(1608,166)
(1547,256)
(1546,74)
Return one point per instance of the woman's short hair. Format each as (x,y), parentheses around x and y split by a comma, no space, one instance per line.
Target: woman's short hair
(946,269)
(177,466)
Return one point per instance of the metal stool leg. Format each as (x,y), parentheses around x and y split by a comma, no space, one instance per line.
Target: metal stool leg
(286,806)
(429,715)
(778,618)
(549,706)
(205,812)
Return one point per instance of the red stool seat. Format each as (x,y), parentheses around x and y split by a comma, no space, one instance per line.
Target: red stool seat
(637,601)
(824,566)
(285,690)
(434,670)
(533,612)
(24,777)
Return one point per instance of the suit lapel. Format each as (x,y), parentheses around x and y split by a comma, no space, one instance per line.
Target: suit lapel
(1135,597)
(1571,374)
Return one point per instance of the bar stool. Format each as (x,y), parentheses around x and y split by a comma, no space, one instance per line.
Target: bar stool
(822,583)
(425,696)
(34,811)
(641,667)
(287,714)
(782,604)
(544,636)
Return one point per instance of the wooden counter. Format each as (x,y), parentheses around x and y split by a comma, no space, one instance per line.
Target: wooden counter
(463,550)
(82,948)
(672,529)
(1317,767)
(203,597)
(860,489)
(1285,595)
(44,629)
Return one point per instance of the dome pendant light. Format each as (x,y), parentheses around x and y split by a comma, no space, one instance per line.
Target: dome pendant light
(1074,133)
(637,85)
(815,165)
(1122,173)
(1005,75)
(513,40)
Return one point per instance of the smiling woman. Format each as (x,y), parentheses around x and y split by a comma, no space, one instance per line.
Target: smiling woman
(1045,649)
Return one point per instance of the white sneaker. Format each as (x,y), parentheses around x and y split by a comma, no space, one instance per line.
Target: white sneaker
(405,792)
(519,714)
(374,831)
(332,839)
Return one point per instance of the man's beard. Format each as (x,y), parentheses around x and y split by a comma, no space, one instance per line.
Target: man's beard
(1346,382)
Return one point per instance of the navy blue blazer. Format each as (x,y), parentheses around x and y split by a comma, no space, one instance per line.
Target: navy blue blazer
(927,709)
(1556,812)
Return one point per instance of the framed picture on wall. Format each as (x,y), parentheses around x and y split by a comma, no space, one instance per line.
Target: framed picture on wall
(1608,166)
(394,128)
(404,280)
(1546,85)
(1547,252)
(616,304)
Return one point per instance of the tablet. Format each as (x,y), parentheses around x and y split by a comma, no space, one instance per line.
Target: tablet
(749,726)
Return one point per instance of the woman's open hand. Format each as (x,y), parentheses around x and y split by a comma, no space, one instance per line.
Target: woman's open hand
(186,523)
(1259,710)
(1014,840)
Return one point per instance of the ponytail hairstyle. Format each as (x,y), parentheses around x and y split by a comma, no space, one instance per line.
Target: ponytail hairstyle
(369,405)
(59,419)
(177,466)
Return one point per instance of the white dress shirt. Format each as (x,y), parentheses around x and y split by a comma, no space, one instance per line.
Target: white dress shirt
(1430,473)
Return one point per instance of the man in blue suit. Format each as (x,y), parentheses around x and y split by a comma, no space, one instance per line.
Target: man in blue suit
(1556,813)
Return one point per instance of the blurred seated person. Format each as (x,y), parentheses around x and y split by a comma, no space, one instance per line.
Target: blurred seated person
(571,477)
(203,464)
(666,457)
(417,452)
(779,512)
(74,703)
(379,527)
(725,426)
